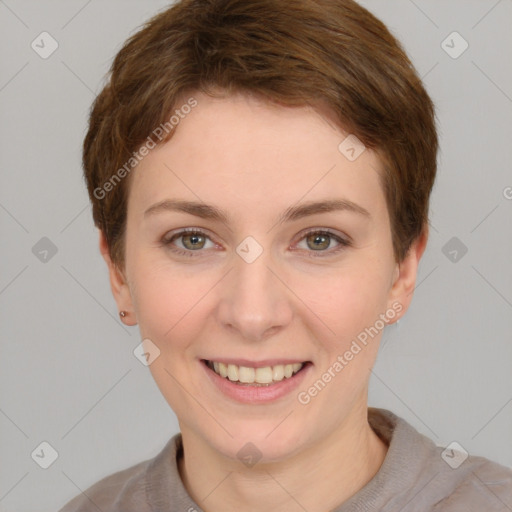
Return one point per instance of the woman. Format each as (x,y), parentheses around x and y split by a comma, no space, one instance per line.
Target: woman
(260,174)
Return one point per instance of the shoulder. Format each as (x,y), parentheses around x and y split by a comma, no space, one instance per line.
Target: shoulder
(127,490)
(423,476)
(477,484)
(123,488)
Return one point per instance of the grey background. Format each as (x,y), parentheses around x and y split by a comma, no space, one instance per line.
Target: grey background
(68,375)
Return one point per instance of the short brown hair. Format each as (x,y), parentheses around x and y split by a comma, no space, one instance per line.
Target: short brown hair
(293,52)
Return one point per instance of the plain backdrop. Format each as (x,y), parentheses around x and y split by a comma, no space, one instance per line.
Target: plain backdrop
(68,374)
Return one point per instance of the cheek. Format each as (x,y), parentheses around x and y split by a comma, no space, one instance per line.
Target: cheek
(347,300)
(350,305)
(170,305)
(171,314)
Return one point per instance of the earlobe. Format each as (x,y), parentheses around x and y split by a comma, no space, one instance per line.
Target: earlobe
(118,284)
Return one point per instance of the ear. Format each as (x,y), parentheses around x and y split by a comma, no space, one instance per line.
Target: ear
(404,279)
(118,284)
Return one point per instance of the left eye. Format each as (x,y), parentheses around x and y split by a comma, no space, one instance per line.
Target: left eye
(320,241)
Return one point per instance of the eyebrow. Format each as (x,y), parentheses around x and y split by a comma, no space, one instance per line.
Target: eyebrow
(207,211)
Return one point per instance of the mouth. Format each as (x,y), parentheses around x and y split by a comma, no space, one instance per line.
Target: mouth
(260,376)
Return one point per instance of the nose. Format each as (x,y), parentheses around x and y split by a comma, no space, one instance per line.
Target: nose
(254,300)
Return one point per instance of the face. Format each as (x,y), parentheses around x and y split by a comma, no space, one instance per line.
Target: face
(266,281)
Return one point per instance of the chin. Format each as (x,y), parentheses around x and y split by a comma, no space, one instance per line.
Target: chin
(261,441)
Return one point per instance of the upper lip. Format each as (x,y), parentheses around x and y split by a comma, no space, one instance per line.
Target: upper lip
(255,364)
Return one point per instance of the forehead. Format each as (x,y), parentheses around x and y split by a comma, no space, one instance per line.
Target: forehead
(242,152)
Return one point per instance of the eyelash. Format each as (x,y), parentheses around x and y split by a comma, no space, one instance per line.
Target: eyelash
(313,254)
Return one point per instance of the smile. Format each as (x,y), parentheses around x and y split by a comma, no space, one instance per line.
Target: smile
(247,375)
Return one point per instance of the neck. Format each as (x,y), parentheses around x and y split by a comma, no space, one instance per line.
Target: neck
(319,478)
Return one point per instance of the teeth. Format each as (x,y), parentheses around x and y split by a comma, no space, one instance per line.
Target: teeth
(247,375)
(278,372)
(223,369)
(263,375)
(232,372)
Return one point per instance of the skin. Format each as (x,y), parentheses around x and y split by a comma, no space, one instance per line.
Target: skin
(254,160)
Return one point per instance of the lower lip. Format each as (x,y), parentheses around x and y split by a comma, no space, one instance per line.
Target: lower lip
(248,394)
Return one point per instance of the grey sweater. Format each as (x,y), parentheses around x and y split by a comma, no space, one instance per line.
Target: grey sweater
(416,476)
